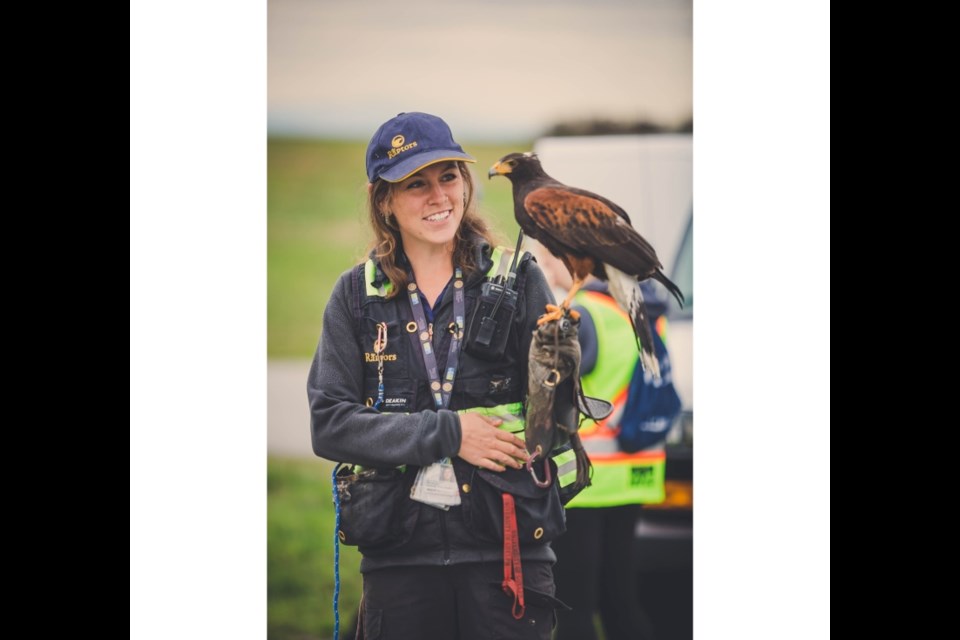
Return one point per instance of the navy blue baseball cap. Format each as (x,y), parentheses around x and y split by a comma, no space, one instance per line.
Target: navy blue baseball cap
(409,142)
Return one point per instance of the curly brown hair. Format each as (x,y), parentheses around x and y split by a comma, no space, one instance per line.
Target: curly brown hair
(387,234)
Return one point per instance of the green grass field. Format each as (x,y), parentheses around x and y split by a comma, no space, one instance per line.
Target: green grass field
(317,228)
(300,553)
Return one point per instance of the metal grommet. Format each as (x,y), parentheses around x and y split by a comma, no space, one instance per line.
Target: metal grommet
(411,327)
(538,533)
(556,378)
(447,387)
(465,488)
(342,537)
(369,402)
(435,385)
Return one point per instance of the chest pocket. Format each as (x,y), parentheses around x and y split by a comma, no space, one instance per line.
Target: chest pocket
(399,387)
(489,390)
(399,394)
(394,355)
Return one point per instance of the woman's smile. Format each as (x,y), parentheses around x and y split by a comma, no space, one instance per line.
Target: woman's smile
(440,216)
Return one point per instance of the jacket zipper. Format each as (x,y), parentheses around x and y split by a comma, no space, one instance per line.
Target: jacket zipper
(443,513)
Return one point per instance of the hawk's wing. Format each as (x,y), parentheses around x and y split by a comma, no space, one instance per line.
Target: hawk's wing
(590,225)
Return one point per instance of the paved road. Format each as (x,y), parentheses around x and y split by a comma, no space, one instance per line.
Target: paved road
(288,417)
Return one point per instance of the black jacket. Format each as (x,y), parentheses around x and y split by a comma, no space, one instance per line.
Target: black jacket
(408,430)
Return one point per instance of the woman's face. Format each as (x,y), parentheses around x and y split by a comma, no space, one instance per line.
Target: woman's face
(428,205)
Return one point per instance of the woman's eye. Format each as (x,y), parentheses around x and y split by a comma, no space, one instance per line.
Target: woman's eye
(416,184)
(447,177)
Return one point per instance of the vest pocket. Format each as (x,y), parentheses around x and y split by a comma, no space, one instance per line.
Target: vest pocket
(394,354)
(540,516)
(399,396)
(375,510)
(488,390)
(489,326)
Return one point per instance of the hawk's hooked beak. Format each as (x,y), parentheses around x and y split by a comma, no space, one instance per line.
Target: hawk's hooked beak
(498,169)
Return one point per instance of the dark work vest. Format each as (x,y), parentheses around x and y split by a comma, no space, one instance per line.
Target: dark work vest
(478,383)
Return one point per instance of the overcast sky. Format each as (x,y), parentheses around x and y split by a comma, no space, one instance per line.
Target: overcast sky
(494,69)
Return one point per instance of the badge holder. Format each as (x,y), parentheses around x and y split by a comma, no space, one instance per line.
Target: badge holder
(436,485)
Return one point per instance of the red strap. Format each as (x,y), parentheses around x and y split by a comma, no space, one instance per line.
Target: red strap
(512,569)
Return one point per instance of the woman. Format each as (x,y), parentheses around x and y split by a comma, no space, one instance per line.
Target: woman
(396,386)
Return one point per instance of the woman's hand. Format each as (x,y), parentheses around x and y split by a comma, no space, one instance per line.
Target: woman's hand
(484,445)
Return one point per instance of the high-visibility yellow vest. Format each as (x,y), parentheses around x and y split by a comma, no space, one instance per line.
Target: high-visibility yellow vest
(618,478)
(500,258)
(512,416)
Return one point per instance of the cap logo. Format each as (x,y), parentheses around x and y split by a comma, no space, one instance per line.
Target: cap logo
(399,147)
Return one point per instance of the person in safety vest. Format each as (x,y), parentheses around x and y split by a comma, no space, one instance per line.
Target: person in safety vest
(417,390)
(595,570)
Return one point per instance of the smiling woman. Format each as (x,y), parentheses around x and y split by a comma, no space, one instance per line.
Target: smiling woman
(391,389)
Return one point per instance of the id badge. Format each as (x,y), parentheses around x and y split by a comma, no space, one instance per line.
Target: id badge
(436,485)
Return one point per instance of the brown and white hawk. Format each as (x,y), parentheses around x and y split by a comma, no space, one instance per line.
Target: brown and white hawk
(591,235)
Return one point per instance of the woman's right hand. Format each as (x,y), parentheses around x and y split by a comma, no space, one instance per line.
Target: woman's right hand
(484,445)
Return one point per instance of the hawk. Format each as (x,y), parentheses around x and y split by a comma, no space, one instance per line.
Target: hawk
(591,235)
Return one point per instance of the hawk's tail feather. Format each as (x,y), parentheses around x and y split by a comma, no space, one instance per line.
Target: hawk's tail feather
(671,287)
(641,332)
(625,290)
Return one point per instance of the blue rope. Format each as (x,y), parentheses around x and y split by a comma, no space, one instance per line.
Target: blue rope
(336,555)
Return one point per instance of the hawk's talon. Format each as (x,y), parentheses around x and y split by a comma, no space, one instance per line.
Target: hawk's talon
(553,313)
(558,312)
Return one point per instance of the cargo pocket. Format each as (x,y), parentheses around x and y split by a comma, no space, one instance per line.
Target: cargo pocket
(371,624)
(375,510)
(539,615)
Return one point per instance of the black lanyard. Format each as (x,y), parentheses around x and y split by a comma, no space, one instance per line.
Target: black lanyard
(441,392)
